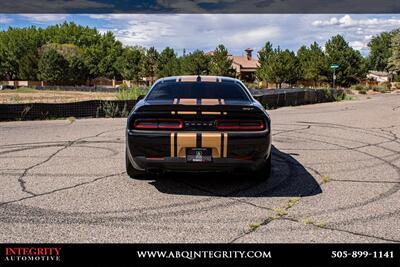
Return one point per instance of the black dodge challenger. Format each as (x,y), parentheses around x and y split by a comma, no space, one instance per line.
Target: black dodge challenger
(198,123)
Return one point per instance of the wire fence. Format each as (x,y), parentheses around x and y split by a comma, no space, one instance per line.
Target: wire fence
(121,108)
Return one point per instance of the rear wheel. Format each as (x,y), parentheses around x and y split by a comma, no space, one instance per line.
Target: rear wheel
(265,171)
(131,171)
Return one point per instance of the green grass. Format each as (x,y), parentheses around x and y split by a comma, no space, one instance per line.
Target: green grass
(130,93)
(310,221)
(325,179)
(20,90)
(254,226)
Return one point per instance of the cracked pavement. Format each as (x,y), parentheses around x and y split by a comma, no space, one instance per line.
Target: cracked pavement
(335,178)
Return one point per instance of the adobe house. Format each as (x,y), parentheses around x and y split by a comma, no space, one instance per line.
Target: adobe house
(245,66)
(380,76)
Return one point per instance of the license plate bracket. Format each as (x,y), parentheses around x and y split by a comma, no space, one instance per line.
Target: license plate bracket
(198,155)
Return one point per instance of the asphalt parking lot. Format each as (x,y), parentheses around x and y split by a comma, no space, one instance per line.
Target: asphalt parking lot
(335,178)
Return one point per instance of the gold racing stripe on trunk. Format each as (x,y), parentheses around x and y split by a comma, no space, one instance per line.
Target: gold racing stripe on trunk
(172,142)
(213,141)
(218,142)
(185,140)
(225,152)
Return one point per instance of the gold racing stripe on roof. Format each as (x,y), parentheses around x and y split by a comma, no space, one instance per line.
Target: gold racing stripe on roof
(187,112)
(188,101)
(209,78)
(211,113)
(208,101)
(191,78)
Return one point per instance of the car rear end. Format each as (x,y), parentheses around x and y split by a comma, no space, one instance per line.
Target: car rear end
(217,126)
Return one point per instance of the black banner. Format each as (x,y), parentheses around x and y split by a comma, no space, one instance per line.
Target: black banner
(200,254)
(200,6)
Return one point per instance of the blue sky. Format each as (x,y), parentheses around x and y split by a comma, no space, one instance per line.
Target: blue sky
(235,31)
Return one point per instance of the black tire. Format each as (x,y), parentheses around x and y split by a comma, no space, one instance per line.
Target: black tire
(264,172)
(131,171)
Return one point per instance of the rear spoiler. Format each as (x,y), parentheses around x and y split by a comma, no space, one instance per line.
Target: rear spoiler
(217,108)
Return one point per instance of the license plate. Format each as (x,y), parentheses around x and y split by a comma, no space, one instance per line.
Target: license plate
(198,155)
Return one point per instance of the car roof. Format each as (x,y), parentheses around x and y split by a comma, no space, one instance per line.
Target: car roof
(197,78)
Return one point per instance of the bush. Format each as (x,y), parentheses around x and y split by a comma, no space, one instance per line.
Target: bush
(112,110)
(334,95)
(387,85)
(381,88)
(397,85)
(357,87)
(363,91)
(251,85)
(126,93)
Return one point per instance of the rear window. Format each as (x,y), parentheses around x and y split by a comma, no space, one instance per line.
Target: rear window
(222,90)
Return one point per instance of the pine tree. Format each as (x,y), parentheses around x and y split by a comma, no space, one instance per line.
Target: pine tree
(168,63)
(220,63)
(264,56)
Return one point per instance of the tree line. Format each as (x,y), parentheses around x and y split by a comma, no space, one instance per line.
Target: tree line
(75,54)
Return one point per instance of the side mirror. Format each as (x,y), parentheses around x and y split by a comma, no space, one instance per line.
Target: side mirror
(140,97)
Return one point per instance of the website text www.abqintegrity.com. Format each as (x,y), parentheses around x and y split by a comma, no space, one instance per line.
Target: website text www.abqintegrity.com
(203,254)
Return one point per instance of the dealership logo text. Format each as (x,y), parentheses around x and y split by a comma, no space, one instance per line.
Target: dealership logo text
(32,254)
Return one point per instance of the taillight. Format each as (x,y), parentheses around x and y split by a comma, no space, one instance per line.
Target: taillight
(239,125)
(167,124)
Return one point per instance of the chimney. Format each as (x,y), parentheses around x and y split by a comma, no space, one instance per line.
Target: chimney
(248,53)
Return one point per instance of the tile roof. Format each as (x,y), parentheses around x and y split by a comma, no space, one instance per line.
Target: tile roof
(244,62)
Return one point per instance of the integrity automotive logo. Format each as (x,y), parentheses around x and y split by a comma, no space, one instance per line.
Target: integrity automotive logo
(32,254)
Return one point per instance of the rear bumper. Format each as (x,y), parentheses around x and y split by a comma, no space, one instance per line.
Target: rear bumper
(179,164)
(232,151)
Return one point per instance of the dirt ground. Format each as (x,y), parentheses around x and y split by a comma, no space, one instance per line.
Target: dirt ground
(24,95)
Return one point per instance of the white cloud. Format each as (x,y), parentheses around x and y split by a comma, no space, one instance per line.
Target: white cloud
(4,19)
(359,45)
(348,21)
(194,31)
(357,29)
(45,18)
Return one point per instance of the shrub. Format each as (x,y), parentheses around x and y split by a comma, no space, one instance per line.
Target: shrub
(358,87)
(380,89)
(363,91)
(126,93)
(112,110)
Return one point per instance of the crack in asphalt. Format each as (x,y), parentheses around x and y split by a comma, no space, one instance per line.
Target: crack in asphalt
(344,231)
(21,180)
(365,181)
(263,223)
(62,188)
